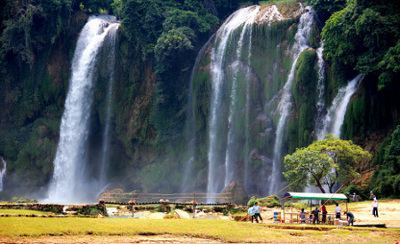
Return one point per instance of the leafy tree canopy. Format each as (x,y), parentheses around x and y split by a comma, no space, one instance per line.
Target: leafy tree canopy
(324,162)
(365,36)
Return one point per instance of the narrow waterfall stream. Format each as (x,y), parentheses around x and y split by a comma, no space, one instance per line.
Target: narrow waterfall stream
(2,173)
(333,120)
(69,183)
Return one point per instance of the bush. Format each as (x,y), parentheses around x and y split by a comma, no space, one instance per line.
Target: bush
(23,200)
(270,201)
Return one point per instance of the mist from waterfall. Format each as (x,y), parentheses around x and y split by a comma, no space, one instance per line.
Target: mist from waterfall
(334,118)
(2,173)
(70,182)
(188,183)
(301,43)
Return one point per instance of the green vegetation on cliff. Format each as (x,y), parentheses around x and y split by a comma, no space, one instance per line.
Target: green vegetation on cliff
(386,179)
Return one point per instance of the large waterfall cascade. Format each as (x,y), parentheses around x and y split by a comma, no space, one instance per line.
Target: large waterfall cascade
(232,87)
(2,172)
(70,183)
(236,20)
(302,35)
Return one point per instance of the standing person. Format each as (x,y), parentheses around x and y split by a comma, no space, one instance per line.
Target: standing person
(351,216)
(315,213)
(375,207)
(256,210)
(302,216)
(372,195)
(250,213)
(338,210)
(348,197)
(324,212)
(354,197)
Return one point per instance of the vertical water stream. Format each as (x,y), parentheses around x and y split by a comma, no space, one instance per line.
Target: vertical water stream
(2,173)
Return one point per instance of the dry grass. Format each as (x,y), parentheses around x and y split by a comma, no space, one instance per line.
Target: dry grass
(225,231)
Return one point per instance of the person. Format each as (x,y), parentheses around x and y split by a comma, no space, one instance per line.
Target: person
(324,212)
(315,213)
(372,195)
(354,197)
(375,207)
(302,216)
(338,210)
(257,214)
(348,197)
(250,213)
(351,216)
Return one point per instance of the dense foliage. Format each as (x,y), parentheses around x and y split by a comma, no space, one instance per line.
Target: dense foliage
(365,36)
(324,162)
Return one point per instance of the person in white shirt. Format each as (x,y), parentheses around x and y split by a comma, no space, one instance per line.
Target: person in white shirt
(375,207)
(338,210)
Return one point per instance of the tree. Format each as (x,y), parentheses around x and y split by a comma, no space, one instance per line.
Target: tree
(324,162)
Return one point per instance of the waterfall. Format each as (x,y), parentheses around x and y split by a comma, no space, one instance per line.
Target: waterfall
(236,20)
(188,184)
(301,37)
(320,90)
(70,183)
(334,118)
(110,41)
(229,164)
(2,173)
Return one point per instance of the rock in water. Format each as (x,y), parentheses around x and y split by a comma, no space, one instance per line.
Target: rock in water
(239,194)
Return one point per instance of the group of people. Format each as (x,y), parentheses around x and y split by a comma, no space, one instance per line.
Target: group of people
(314,215)
(254,213)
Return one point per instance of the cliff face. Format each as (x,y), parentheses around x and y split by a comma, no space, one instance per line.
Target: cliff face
(161,122)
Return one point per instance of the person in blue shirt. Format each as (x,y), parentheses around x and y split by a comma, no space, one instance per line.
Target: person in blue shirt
(351,216)
(315,213)
(250,213)
(257,214)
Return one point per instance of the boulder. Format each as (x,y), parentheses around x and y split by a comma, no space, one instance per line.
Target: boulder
(239,195)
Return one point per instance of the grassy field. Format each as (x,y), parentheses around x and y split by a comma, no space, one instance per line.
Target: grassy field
(220,230)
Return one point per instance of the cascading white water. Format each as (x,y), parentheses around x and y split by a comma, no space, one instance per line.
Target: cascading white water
(335,117)
(301,37)
(248,25)
(2,173)
(69,184)
(320,90)
(111,39)
(236,20)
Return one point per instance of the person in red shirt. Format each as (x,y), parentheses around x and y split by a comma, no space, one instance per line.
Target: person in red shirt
(324,212)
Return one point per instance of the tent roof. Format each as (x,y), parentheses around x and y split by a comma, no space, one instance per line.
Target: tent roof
(314,196)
